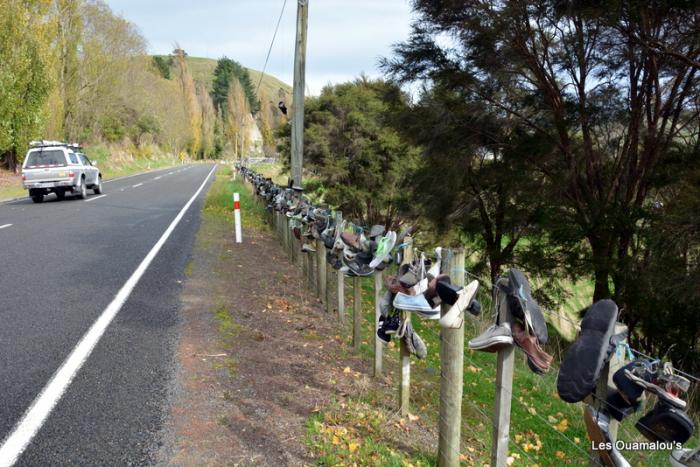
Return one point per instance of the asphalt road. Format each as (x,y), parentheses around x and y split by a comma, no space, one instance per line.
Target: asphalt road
(61,265)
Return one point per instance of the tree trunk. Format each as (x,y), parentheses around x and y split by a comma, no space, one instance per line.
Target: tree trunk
(11,160)
(601,268)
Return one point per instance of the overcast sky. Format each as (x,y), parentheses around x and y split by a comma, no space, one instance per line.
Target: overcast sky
(345,37)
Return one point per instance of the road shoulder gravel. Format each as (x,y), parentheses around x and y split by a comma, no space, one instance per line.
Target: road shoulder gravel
(255,357)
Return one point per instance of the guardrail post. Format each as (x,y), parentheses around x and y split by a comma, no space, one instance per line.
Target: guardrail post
(405,359)
(356,312)
(378,344)
(504,392)
(452,371)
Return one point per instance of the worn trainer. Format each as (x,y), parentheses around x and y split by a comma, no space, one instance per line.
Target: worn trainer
(495,338)
(454,318)
(646,375)
(406,302)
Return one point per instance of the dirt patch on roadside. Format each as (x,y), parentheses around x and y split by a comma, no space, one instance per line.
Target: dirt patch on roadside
(9,180)
(256,357)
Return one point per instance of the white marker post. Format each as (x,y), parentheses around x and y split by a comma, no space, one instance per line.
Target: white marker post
(237,216)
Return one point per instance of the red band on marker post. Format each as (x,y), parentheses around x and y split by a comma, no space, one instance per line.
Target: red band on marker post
(237,217)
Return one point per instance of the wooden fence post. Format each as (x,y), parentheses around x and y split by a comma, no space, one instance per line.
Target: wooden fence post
(451,371)
(321,272)
(329,281)
(504,392)
(405,390)
(288,236)
(341,277)
(356,312)
(378,343)
(604,387)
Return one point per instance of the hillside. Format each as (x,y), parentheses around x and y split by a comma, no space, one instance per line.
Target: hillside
(202,70)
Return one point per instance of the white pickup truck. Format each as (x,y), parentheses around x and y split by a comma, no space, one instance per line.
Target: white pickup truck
(56,167)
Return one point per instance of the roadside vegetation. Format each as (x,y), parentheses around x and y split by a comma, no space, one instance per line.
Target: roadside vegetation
(506,147)
(75,71)
(219,201)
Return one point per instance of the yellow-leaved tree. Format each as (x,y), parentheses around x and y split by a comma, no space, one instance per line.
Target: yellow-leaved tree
(191,101)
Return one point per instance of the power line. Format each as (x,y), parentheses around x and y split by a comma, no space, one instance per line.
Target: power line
(272,43)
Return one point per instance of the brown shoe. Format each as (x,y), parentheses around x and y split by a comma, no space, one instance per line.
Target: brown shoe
(528,342)
(351,240)
(394,286)
(431,292)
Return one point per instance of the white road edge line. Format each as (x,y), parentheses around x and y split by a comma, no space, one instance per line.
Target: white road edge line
(5,226)
(93,199)
(137,185)
(34,418)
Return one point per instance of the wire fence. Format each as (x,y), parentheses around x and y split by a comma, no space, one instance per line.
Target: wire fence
(486,295)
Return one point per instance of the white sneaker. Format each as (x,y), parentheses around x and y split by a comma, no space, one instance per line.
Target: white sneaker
(454,318)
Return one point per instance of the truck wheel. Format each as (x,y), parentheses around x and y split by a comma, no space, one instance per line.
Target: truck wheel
(38,198)
(82,189)
(97,189)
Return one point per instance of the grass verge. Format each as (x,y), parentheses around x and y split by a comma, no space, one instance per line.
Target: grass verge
(219,202)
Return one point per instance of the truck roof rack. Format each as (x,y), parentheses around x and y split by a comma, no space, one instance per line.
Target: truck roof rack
(47,143)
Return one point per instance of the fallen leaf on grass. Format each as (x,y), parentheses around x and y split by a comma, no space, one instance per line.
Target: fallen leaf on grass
(562,426)
(560,455)
(352,447)
(347,369)
(412,417)
(473,369)
(532,410)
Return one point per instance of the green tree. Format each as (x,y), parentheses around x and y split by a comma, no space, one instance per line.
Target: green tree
(225,72)
(24,76)
(590,80)
(471,179)
(363,164)
(163,65)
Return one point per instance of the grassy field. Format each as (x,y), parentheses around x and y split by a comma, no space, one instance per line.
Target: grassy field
(544,430)
(219,202)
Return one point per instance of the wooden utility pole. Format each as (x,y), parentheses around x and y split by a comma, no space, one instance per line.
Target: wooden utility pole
(299,86)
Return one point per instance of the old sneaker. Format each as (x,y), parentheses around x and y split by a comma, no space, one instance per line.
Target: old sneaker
(495,338)
(454,318)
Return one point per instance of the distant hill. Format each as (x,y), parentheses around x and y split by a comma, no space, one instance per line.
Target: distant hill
(202,70)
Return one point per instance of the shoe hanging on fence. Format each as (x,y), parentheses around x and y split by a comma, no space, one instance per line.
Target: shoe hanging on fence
(585,359)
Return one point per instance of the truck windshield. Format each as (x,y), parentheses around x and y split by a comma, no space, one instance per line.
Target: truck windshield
(46,158)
